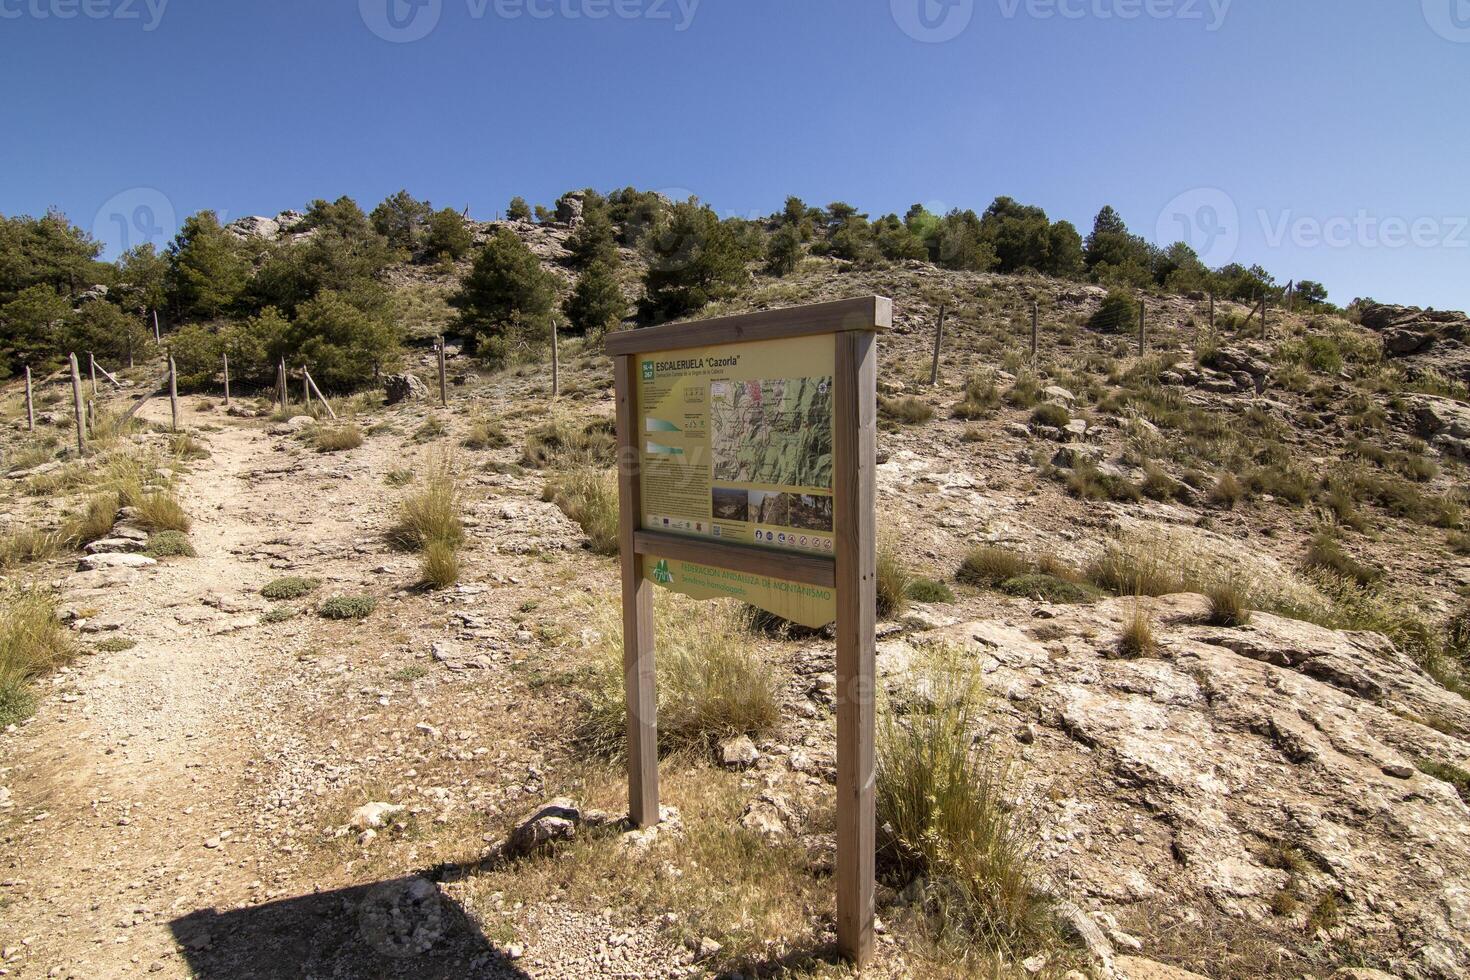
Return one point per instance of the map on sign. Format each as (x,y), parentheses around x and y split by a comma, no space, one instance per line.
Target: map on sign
(774,432)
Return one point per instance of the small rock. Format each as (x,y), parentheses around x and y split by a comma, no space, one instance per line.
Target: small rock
(738,753)
(370,816)
(556,821)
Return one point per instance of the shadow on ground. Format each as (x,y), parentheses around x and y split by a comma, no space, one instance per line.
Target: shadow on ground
(398,928)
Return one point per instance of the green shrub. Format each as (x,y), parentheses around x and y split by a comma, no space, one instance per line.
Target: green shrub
(988,566)
(1052,414)
(1048,588)
(115,644)
(982,398)
(347,607)
(278,614)
(291,587)
(928,590)
(431,429)
(1117,314)
(169,544)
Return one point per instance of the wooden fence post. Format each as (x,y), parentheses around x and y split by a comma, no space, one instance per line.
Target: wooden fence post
(173,392)
(92,367)
(1035,331)
(1212,311)
(30,403)
(443,377)
(76,394)
(938,343)
(1265,307)
(227,380)
(555,363)
(305,389)
(319,396)
(157,337)
(284,389)
(1142,329)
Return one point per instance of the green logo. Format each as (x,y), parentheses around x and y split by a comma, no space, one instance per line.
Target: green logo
(661,573)
(647,370)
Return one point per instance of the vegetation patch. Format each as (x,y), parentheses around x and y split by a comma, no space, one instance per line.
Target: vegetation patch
(290,587)
(929,590)
(115,644)
(336,439)
(169,544)
(590,497)
(347,607)
(485,434)
(906,411)
(1446,772)
(32,642)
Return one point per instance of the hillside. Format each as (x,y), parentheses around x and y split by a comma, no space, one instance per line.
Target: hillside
(220,782)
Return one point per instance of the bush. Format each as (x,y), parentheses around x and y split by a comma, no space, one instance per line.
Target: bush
(711,684)
(347,607)
(94,523)
(949,827)
(981,399)
(336,439)
(440,568)
(1117,314)
(1052,414)
(596,305)
(560,444)
(693,259)
(928,590)
(431,513)
(291,587)
(344,338)
(1041,587)
(908,410)
(32,642)
(160,510)
(485,434)
(169,544)
(988,566)
(590,497)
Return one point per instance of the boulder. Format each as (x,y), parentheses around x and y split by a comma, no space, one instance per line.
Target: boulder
(103,562)
(254,226)
(556,821)
(404,387)
(113,546)
(1400,342)
(738,753)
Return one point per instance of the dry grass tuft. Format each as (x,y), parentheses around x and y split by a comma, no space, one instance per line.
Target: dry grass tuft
(590,497)
(32,642)
(711,684)
(894,580)
(440,568)
(951,832)
(336,439)
(1137,639)
(431,513)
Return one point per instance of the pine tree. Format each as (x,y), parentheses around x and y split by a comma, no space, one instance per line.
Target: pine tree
(596,305)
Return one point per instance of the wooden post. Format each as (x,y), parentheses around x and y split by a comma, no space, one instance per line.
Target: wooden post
(1142,331)
(1212,311)
(76,394)
(319,396)
(285,391)
(173,392)
(443,377)
(555,363)
(855,450)
(30,403)
(227,380)
(305,389)
(1265,307)
(938,342)
(1035,331)
(157,337)
(638,635)
(92,367)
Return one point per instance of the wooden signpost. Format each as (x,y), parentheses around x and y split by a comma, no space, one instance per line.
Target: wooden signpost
(938,344)
(746,455)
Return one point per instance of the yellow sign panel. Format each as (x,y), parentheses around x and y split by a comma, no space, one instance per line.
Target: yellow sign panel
(735,445)
(809,605)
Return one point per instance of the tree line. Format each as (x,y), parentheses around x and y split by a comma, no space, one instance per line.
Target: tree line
(317,293)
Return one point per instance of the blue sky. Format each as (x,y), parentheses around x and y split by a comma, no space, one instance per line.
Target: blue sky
(1325,139)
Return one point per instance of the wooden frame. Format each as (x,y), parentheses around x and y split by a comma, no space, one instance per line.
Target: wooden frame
(851,572)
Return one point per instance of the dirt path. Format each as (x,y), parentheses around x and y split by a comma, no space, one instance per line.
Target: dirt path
(124,782)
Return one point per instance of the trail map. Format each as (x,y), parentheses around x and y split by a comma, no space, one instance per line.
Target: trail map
(776,432)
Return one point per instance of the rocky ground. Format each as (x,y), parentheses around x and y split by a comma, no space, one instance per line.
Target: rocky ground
(244,794)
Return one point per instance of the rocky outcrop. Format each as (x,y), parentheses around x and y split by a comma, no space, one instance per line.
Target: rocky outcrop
(1178,782)
(1444,423)
(404,387)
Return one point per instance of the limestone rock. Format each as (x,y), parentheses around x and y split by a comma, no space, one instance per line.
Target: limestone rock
(371,816)
(738,753)
(106,561)
(404,387)
(556,821)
